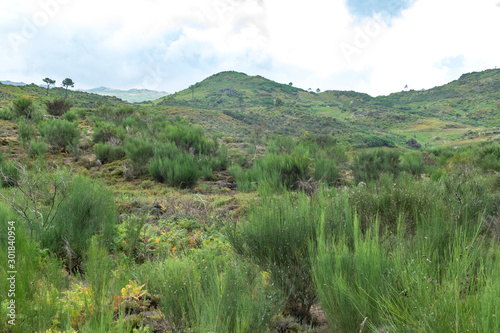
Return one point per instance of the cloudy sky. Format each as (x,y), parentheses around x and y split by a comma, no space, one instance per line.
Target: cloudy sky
(372,46)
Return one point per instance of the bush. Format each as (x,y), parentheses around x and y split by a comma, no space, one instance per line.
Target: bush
(413,163)
(369,164)
(205,294)
(182,171)
(489,157)
(6,114)
(325,169)
(37,288)
(60,133)
(280,170)
(276,236)
(58,106)
(9,174)
(25,131)
(105,132)
(108,153)
(37,148)
(23,107)
(139,152)
(70,116)
(87,210)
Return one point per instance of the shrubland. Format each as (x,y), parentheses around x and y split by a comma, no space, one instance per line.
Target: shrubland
(130,218)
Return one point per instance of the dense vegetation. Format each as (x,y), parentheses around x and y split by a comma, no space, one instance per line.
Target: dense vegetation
(282,212)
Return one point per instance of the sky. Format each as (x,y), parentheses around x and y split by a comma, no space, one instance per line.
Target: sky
(372,46)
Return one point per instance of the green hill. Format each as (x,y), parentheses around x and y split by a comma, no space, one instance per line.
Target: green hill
(460,110)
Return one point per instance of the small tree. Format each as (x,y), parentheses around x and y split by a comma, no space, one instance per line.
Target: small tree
(49,82)
(68,83)
(318,90)
(192,91)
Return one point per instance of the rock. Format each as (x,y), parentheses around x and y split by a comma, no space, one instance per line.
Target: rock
(413,144)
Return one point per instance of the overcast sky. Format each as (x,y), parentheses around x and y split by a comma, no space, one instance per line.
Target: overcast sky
(371,46)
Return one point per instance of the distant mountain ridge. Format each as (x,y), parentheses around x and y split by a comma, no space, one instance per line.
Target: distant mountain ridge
(132,95)
(13,83)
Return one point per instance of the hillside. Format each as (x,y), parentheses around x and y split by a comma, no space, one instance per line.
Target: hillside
(241,106)
(130,218)
(238,104)
(39,95)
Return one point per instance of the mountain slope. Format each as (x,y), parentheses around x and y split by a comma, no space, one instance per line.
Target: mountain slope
(256,104)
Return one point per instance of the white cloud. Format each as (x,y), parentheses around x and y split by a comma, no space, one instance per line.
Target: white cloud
(168,45)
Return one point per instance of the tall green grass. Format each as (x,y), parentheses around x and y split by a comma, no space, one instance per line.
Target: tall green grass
(205,294)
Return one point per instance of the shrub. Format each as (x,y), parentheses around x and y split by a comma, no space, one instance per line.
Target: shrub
(139,152)
(108,153)
(280,170)
(187,137)
(37,288)
(276,237)
(58,106)
(489,157)
(325,169)
(241,178)
(25,131)
(369,164)
(87,210)
(60,133)
(9,174)
(23,107)
(182,171)
(413,163)
(6,114)
(70,116)
(204,294)
(37,148)
(104,132)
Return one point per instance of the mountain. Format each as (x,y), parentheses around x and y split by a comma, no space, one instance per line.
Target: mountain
(131,95)
(13,83)
(239,105)
(233,104)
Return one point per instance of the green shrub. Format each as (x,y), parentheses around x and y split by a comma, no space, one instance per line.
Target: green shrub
(204,294)
(276,236)
(240,177)
(9,174)
(37,148)
(413,163)
(350,279)
(108,153)
(104,132)
(140,152)
(369,164)
(70,116)
(182,171)
(87,210)
(489,157)
(6,114)
(23,107)
(58,106)
(25,131)
(185,136)
(60,133)
(325,169)
(37,288)
(280,170)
